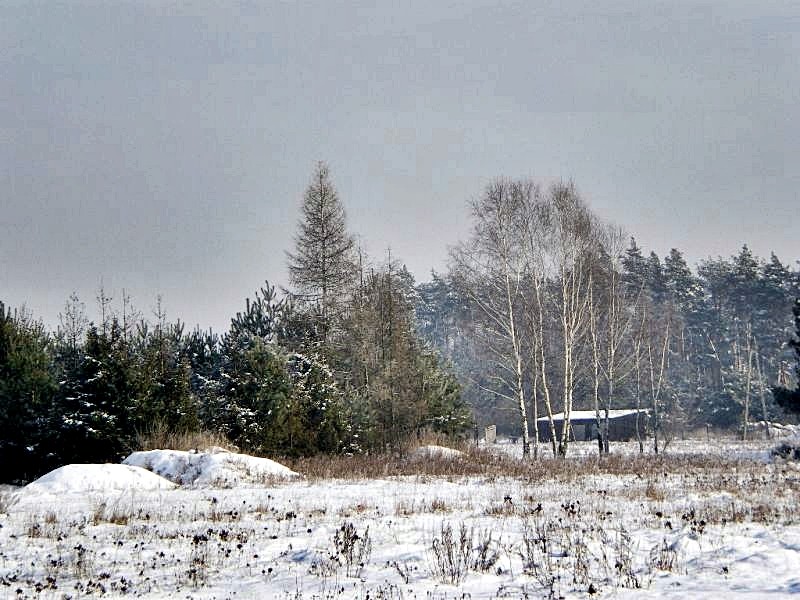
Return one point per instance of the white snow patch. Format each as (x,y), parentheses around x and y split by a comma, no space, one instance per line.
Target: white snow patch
(95,477)
(214,468)
(433,451)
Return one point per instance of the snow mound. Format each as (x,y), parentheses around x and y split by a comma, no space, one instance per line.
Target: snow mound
(216,467)
(435,452)
(779,429)
(91,477)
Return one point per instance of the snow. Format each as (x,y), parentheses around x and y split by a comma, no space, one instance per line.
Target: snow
(433,451)
(80,478)
(579,415)
(215,467)
(715,531)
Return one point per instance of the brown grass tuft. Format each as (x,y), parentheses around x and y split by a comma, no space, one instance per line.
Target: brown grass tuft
(160,437)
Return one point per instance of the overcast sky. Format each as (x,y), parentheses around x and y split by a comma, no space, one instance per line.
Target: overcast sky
(164,147)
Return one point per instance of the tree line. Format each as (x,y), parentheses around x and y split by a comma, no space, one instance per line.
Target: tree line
(546,309)
(333,365)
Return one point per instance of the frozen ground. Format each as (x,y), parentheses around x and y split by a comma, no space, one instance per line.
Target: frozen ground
(683,529)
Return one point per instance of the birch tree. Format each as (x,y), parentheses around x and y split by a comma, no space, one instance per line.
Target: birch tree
(611,315)
(490,268)
(570,243)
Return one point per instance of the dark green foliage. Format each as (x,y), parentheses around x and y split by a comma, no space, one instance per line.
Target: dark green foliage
(165,377)
(271,400)
(400,383)
(204,354)
(317,420)
(27,387)
(787,398)
(447,412)
(255,395)
(92,417)
(635,271)
(261,317)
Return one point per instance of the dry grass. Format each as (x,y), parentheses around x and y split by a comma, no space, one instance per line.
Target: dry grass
(159,437)
(482,463)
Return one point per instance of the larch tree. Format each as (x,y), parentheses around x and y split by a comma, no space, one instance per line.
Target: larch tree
(321,267)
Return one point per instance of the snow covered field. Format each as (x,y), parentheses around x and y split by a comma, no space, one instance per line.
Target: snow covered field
(682,526)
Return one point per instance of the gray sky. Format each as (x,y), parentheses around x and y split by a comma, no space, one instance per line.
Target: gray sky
(164,147)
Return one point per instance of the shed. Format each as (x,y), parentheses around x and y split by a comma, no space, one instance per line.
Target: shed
(583,424)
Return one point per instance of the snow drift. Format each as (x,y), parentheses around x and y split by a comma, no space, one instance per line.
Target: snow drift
(93,477)
(433,451)
(215,467)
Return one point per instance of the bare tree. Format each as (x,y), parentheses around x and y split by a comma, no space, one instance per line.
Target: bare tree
(490,268)
(611,315)
(570,245)
(528,269)
(762,386)
(657,341)
(532,227)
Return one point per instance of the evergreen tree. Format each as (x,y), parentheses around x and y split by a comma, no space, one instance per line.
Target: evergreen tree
(656,280)
(255,396)
(402,386)
(684,288)
(744,291)
(270,399)
(794,343)
(27,387)
(787,398)
(166,399)
(204,353)
(91,419)
(317,420)
(635,270)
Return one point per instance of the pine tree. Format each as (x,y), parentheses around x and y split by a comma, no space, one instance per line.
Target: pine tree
(27,387)
(635,270)
(656,280)
(321,267)
(255,396)
(787,398)
(317,420)
(166,399)
(91,420)
(684,288)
